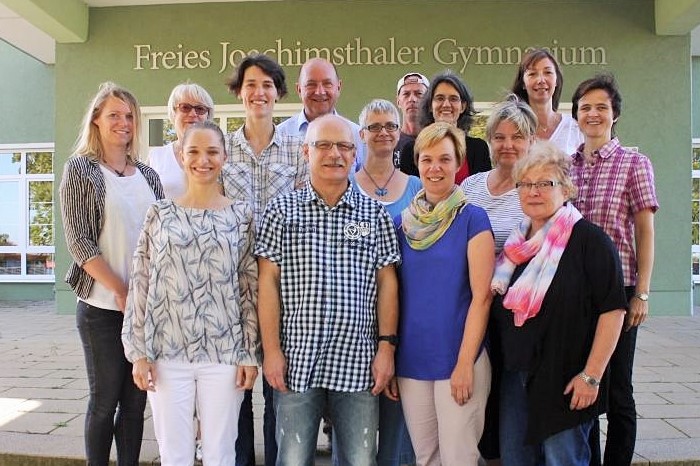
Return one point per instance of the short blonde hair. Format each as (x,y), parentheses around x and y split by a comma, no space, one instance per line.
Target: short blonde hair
(436,132)
(89,143)
(546,155)
(196,92)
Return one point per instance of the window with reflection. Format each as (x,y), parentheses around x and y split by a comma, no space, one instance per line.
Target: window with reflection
(27,213)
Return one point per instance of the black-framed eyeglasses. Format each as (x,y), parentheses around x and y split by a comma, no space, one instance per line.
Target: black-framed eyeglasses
(538,185)
(328,145)
(198,109)
(378,127)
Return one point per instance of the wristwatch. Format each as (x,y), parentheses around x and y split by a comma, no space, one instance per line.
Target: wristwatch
(592,381)
(642,296)
(392,339)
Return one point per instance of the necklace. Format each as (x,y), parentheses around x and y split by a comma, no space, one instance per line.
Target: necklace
(120,173)
(380,191)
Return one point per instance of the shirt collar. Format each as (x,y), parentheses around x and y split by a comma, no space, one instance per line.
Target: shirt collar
(303,122)
(239,137)
(310,195)
(609,149)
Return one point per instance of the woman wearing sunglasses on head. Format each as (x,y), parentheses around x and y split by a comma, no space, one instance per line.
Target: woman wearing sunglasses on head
(189,103)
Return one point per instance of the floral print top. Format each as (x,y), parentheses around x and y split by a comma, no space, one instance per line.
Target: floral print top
(191,293)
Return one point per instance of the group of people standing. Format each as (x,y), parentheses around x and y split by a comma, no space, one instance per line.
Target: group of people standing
(455,298)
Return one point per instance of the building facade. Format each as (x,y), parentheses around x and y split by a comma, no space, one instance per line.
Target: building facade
(151,48)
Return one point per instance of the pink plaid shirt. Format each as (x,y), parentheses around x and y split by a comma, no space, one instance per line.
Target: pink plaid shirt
(616,186)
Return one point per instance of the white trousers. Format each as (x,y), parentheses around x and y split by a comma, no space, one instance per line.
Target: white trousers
(442,432)
(179,385)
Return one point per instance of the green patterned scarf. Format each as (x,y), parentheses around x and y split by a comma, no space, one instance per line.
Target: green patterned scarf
(424,224)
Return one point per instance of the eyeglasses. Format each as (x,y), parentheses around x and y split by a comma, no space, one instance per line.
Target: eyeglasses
(540,186)
(378,127)
(343,147)
(198,109)
(453,99)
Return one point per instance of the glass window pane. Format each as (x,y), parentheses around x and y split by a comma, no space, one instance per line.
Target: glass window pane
(10,264)
(696,158)
(40,264)
(695,238)
(478,128)
(278,120)
(10,163)
(696,189)
(169,134)
(39,163)
(10,214)
(233,123)
(696,264)
(696,211)
(40,213)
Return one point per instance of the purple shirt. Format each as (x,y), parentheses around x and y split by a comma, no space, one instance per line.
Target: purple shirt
(611,191)
(435,297)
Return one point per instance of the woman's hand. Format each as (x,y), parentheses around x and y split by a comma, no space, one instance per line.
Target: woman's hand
(462,382)
(584,394)
(245,377)
(144,374)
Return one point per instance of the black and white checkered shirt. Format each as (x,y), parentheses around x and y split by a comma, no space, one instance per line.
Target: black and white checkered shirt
(328,259)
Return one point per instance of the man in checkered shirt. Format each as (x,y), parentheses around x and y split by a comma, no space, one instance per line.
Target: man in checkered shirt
(327,303)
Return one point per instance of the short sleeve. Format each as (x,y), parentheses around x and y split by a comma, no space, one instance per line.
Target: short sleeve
(269,239)
(642,190)
(387,242)
(478,221)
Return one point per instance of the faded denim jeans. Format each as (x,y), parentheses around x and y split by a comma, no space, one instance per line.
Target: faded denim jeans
(355,417)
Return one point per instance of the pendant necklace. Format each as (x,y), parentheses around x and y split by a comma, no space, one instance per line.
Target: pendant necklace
(380,191)
(120,173)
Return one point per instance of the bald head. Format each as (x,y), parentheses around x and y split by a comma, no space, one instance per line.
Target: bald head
(318,87)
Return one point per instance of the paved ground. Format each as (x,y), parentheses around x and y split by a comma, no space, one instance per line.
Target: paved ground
(43,390)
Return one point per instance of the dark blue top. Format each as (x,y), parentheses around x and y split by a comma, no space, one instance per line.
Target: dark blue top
(435,297)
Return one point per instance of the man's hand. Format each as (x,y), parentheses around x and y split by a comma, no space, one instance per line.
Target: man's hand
(382,367)
(274,369)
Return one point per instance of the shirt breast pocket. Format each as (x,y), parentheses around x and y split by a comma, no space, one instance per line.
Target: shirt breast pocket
(238,182)
(281,178)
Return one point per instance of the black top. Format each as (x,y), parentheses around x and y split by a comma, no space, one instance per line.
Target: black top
(478,159)
(554,345)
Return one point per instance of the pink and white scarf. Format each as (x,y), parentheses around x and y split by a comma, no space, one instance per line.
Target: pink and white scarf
(545,248)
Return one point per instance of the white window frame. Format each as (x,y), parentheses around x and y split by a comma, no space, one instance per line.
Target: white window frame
(695,248)
(23,248)
(222,112)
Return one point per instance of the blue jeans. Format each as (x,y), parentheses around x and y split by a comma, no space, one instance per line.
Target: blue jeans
(566,448)
(355,417)
(395,446)
(112,389)
(245,443)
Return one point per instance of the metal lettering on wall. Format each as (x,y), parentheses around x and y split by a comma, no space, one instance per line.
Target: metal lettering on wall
(445,51)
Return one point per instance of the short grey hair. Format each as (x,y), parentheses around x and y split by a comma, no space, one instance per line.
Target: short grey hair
(194,91)
(545,154)
(378,106)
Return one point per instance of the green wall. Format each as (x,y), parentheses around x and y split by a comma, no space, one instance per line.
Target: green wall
(653,71)
(27,96)
(695,98)
(26,291)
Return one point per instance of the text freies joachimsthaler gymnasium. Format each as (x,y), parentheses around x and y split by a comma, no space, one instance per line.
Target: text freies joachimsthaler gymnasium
(445,51)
